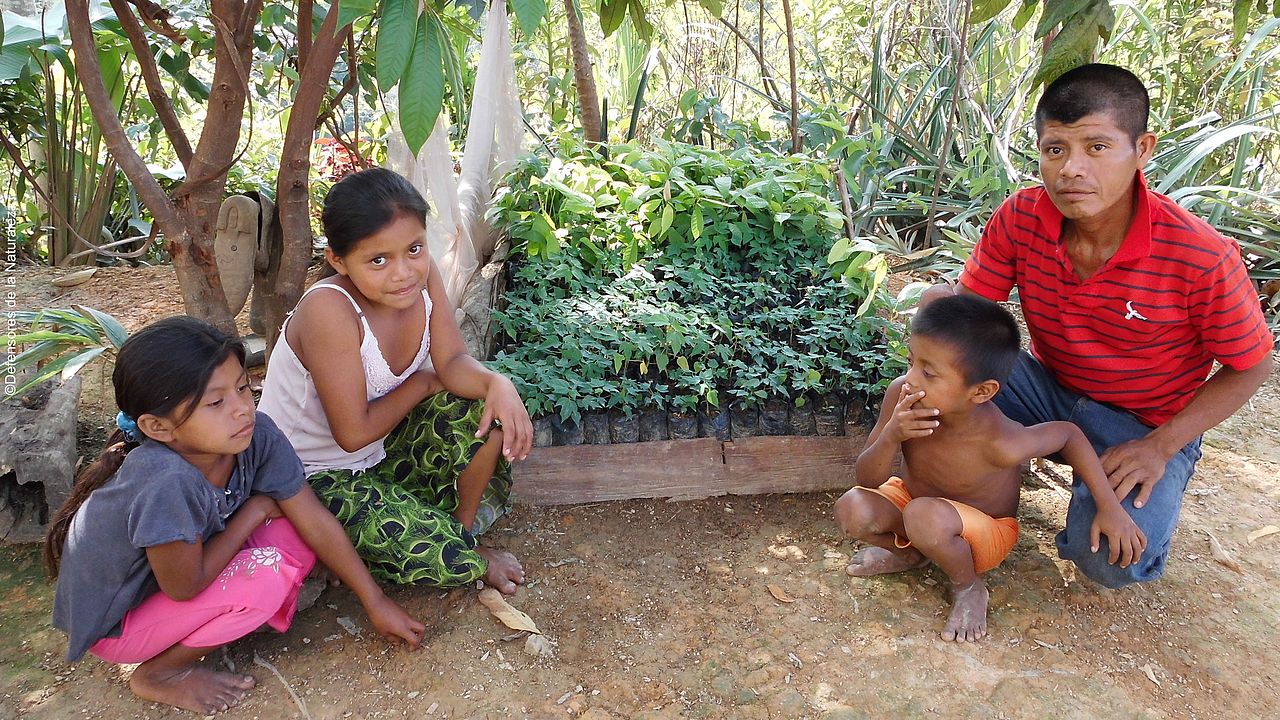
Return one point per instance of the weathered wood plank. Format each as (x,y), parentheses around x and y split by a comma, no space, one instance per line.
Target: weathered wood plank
(686,469)
(590,473)
(780,464)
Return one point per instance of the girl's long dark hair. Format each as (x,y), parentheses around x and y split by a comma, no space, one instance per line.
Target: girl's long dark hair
(363,203)
(160,370)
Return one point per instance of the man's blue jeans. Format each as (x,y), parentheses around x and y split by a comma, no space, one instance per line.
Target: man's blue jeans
(1032,396)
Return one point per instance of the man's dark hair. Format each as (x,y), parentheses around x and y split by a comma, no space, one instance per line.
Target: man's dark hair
(1096,88)
(984,335)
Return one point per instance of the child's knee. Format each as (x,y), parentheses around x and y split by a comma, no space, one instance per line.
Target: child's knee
(857,515)
(930,521)
(281,534)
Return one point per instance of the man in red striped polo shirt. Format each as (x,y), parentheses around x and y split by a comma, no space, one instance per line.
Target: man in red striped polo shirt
(1129,300)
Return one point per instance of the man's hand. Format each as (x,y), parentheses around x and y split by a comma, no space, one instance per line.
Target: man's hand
(1125,540)
(1136,463)
(909,421)
(393,623)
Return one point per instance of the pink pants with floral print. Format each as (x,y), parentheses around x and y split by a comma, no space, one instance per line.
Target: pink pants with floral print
(260,585)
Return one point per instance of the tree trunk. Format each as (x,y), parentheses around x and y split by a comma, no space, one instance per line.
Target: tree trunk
(795,94)
(282,285)
(583,78)
(200,197)
(189,220)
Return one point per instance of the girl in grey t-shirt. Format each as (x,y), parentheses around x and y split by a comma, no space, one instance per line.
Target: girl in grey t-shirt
(195,526)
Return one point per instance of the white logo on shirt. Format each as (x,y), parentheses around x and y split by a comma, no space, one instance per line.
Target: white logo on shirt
(1132,313)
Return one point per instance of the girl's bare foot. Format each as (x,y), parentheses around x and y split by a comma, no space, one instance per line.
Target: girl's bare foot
(191,688)
(505,572)
(968,621)
(878,561)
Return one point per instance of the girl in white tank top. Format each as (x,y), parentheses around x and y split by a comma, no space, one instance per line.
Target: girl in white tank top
(394,445)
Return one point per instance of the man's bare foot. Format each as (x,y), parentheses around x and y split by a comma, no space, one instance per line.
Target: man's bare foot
(191,688)
(968,621)
(505,572)
(878,561)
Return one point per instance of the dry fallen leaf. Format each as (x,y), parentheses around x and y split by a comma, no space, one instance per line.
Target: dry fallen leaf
(1263,532)
(76,278)
(779,594)
(509,616)
(1220,554)
(1151,673)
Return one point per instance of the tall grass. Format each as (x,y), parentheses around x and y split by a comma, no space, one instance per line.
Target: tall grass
(63,185)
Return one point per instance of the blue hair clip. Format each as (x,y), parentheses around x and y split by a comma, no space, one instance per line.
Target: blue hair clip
(129,427)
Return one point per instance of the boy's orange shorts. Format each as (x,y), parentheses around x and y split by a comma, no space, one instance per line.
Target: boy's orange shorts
(991,539)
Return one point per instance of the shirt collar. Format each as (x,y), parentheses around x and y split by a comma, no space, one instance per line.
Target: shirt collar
(1137,241)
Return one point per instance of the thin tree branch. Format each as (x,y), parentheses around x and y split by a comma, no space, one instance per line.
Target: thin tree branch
(231,43)
(737,46)
(102,249)
(347,86)
(151,76)
(959,54)
(791,61)
(351,147)
(774,95)
(355,99)
(156,18)
(248,16)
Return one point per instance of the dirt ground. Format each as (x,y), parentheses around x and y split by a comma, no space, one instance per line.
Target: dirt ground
(664,610)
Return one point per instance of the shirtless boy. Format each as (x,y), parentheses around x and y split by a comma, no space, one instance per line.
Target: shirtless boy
(956,501)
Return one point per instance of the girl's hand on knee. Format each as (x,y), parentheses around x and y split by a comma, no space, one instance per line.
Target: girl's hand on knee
(393,623)
(503,403)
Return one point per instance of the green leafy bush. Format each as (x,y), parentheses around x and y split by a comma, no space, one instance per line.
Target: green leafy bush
(682,278)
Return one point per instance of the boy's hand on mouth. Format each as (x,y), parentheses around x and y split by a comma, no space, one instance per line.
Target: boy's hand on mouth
(910,421)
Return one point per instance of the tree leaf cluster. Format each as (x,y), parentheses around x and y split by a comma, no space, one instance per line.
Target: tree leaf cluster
(59,341)
(1072,28)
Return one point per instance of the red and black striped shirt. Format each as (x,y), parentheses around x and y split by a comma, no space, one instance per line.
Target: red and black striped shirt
(1143,331)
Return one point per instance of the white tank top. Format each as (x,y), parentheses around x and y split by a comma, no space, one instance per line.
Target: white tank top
(289,395)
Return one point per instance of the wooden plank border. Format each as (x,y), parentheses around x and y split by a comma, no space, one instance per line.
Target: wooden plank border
(685,469)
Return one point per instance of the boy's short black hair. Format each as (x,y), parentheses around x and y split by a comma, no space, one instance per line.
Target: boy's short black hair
(984,335)
(1096,88)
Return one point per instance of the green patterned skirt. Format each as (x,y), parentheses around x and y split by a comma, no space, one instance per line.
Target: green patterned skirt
(399,513)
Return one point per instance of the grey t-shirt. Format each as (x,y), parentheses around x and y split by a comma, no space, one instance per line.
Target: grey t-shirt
(156,497)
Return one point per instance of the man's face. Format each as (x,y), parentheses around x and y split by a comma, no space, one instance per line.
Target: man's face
(1088,166)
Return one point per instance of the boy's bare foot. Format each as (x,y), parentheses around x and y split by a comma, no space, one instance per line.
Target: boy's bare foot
(191,688)
(878,561)
(968,621)
(505,572)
